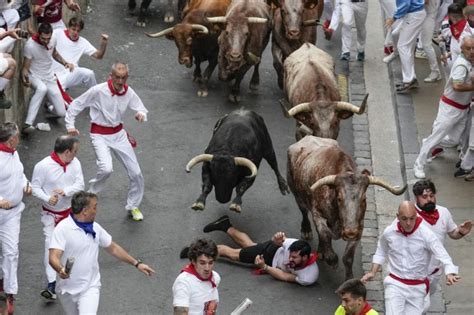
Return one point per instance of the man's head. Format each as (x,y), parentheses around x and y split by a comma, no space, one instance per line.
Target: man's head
(75,26)
(66,146)
(299,254)
(467,48)
(407,215)
(469,14)
(425,194)
(455,13)
(119,75)
(45,31)
(84,206)
(203,254)
(353,294)
(9,134)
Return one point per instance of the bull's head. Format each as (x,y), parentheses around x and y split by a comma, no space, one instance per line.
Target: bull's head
(183,34)
(292,16)
(226,172)
(322,118)
(350,191)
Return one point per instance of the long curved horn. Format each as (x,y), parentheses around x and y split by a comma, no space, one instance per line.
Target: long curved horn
(257,20)
(161,33)
(311,22)
(352,108)
(379,182)
(327,180)
(240,161)
(201,28)
(198,159)
(303,107)
(217,19)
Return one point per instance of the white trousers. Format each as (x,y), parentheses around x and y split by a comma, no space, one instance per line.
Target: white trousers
(117,143)
(327,10)
(42,89)
(9,236)
(336,16)
(442,12)
(388,8)
(449,120)
(48,228)
(79,76)
(434,280)
(427,33)
(467,161)
(85,303)
(353,12)
(409,31)
(403,299)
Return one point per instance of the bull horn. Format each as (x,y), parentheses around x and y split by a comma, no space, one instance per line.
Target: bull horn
(200,28)
(305,129)
(327,180)
(352,108)
(257,20)
(253,59)
(377,181)
(303,107)
(198,159)
(161,33)
(311,22)
(240,161)
(284,104)
(217,19)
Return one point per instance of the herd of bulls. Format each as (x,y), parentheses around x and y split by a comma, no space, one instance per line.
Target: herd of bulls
(322,177)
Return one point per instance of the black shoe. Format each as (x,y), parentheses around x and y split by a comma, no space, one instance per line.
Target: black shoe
(184,253)
(221,224)
(458,164)
(461,173)
(4,103)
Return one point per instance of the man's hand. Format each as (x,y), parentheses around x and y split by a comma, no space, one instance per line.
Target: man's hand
(74,7)
(5,204)
(452,279)
(140,117)
(279,238)
(104,38)
(367,277)
(62,273)
(53,200)
(465,228)
(73,132)
(59,191)
(389,22)
(69,66)
(146,269)
(25,77)
(13,33)
(259,261)
(27,189)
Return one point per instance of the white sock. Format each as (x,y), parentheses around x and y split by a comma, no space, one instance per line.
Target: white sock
(3,83)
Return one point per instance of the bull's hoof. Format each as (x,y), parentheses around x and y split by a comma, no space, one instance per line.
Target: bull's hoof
(331,259)
(307,235)
(235,207)
(141,24)
(197,78)
(234,98)
(202,93)
(253,86)
(198,206)
(169,18)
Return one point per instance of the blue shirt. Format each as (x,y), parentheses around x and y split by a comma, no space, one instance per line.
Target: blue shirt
(408,6)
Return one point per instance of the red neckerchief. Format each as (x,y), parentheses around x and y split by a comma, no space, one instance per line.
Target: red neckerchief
(56,159)
(115,92)
(417,224)
(66,31)
(431,217)
(312,259)
(190,269)
(5,148)
(36,38)
(456,29)
(366,309)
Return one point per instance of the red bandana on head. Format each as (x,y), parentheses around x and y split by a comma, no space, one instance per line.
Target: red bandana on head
(417,224)
(5,148)
(190,269)
(66,31)
(115,92)
(56,159)
(430,216)
(366,309)
(36,38)
(456,29)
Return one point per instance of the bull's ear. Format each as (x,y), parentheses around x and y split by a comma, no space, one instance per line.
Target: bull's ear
(310,4)
(365,172)
(344,114)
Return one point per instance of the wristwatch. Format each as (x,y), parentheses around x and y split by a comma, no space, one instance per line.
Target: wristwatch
(138,263)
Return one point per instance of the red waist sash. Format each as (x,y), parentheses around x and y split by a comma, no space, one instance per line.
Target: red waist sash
(413,281)
(454,104)
(103,130)
(58,216)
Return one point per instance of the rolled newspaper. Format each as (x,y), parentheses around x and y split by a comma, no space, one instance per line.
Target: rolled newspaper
(242,307)
(69,264)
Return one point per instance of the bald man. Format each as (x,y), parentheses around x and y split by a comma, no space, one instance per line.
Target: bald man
(108,102)
(408,245)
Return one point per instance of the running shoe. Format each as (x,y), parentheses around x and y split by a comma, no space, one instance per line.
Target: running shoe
(136,214)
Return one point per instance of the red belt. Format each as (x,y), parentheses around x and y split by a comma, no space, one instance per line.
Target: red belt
(413,282)
(103,130)
(454,104)
(58,216)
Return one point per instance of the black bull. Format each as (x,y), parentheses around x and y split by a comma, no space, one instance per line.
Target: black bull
(239,142)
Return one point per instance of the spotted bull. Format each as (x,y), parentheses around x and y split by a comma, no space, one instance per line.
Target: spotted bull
(239,142)
(325,182)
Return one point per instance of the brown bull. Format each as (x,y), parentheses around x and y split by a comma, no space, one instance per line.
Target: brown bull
(325,182)
(294,23)
(312,92)
(247,32)
(196,38)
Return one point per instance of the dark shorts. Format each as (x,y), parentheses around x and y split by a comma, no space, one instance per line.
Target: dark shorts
(268,249)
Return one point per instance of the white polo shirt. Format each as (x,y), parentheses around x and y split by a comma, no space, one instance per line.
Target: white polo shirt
(41,58)
(199,296)
(70,50)
(74,242)
(12,182)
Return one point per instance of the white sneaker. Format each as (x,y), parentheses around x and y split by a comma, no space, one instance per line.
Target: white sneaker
(420,54)
(433,77)
(419,172)
(43,126)
(390,58)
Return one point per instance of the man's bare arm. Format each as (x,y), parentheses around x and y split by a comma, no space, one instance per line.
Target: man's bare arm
(180,310)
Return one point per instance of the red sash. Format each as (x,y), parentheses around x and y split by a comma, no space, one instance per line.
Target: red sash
(454,104)
(66,97)
(58,216)
(190,269)
(413,282)
(104,130)
(4,148)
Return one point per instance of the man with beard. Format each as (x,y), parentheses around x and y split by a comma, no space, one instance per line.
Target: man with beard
(440,221)
(353,296)
(285,259)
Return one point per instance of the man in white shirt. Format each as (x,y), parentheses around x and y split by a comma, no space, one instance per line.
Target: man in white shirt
(7,68)
(13,184)
(408,245)
(55,179)
(79,237)
(72,47)
(195,289)
(37,72)
(285,259)
(108,101)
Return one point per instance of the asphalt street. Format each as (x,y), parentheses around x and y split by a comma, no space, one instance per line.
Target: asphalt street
(179,127)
